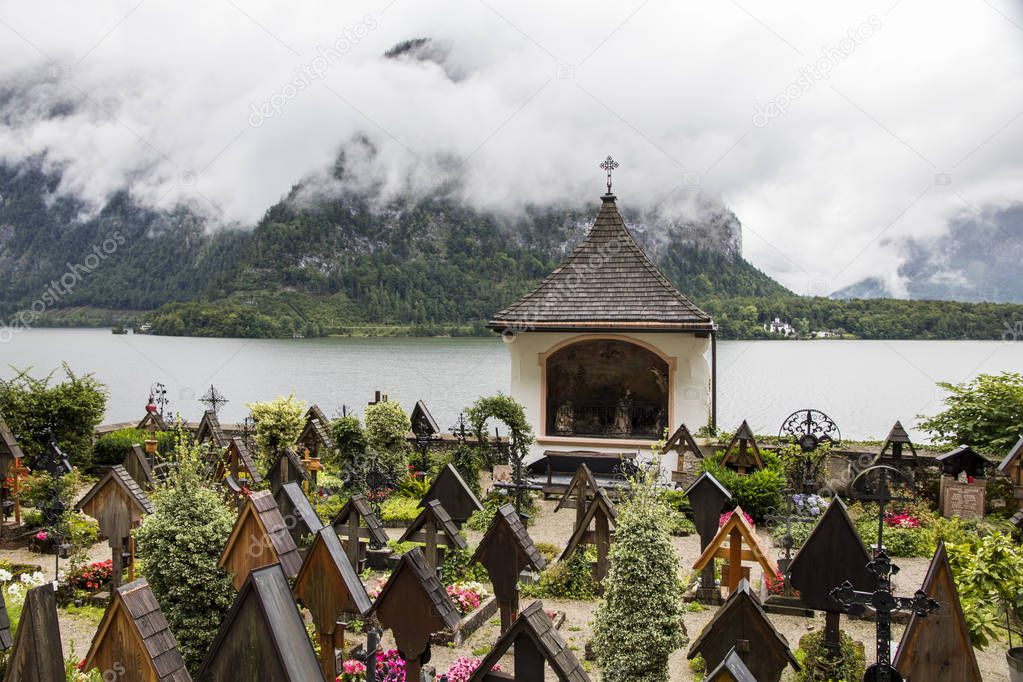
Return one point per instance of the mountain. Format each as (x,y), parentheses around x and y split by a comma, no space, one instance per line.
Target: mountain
(975,260)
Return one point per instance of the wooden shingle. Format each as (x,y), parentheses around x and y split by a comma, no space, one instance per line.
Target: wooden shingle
(38,654)
(260,537)
(606,283)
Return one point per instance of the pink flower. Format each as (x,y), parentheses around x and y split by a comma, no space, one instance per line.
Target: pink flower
(41,536)
(463,668)
(723,519)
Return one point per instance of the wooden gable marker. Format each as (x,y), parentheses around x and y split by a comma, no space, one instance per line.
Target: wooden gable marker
(286,468)
(414,605)
(237,462)
(137,464)
(731,669)
(831,555)
(741,625)
(537,644)
(259,537)
(683,443)
(892,452)
(263,636)
(358,526)
(299,515)
(209,430)
(450,489)
(328,586)
(118,503)
(152,422)
(5,626)
(423,423)
(736,532)
(938,647)
(1012,466)
(435,529)
(134,639)
(743,453)
(10,462)
(315,436)
(38,655)
(581,489)
(505,551)
(601,513)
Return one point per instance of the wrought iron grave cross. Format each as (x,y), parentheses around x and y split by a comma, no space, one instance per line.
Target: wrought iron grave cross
(788,542)
(609,164)
(214,399)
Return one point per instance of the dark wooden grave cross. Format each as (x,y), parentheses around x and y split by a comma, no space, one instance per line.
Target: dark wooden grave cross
(214,399)
(356,525)
(787,542)
(707,497)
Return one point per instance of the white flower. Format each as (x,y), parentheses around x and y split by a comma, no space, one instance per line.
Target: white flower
(26,578)
(37,579)
(14,590)
(5,576)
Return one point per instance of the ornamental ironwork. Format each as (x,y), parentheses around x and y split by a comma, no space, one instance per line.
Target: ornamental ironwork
(809,428)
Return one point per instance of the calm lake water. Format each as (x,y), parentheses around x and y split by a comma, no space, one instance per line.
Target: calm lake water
(863,385)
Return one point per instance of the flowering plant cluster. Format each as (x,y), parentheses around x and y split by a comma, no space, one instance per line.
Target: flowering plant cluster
(376,588)
(463,668)
(352,671)
(94,577)
(379,495)
(41,536)
(813,505)
(390,666)
(723,519)
(467,596)
(15,589)
(901,520)
(775,584)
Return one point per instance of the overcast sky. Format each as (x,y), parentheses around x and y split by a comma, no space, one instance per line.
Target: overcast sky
(829,128)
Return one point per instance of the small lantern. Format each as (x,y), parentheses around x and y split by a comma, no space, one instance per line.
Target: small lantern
(151,447)
(151,406)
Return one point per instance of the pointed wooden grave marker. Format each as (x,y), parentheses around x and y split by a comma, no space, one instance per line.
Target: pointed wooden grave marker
(118,504)
(434,529)
(731,669)
(259,537)
(743,453)
(138,466)
(450,489)
(536,645)
(210,431)
(299,515)
(1012,466)
(581,489)
(505,551)
(152,422)
(938,647)
(358,527)
(263,636)
(5,626)
(831,555)
(414,605)
(38,655)
(315,437)
(423,423)
(893,452)
(134,640)
(741,625)
(601,514)
(286,468)
(237,462)
(683,443)
(742,545)
(10,458)
(328,586)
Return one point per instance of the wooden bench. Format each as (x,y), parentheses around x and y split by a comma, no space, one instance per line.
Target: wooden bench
(560,466)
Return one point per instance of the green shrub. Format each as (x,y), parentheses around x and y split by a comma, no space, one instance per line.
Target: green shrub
(467,461)
(400,548)
(800,532)
(457,567)
(414,487)
(549,550)
(387,427)
(989,575)
(279,423)
(111,448)
(349,441)
(678,524)
(757,492)
(986,412)
(399,509)
(899,542)
(677,500)
(570,579)
(811,651)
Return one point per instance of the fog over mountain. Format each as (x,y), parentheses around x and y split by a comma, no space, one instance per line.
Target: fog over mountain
(851,141)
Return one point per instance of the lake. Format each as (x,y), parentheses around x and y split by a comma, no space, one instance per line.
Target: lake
(863,385)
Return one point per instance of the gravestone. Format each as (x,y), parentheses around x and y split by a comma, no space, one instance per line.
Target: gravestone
(595,528)
(134,640)
(413,605)
(118,504)
(537,645)
(743,453)
(38,655)
(434,529)
(938,647)
(358,527)
(451,490)
(707,497)
(329,588)
(263,636)
(741,625)
(736,541)
(505,551)
(259,537)
(963,484)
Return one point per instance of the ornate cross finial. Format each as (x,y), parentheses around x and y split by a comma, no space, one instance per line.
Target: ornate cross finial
(609,164)
(213,399)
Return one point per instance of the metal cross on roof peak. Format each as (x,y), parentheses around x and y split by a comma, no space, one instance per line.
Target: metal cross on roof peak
(609,164)
(213,399)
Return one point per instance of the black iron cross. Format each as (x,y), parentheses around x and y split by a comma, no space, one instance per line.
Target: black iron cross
(787,542)
(214,399)
(884,604)
(609,164)
(520,484)
(461,429)
(879,492)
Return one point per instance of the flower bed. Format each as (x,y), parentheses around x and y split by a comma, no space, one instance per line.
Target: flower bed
(463,668)
(94,577)
(467,596)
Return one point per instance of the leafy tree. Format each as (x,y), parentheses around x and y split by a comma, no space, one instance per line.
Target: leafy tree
(179,546)
(985,413)
(278,423)
(387,427)
(71,410)
(349,440)
(639,621)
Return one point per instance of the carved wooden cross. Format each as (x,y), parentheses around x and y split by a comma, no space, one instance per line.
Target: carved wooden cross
(312,465)
(20,471)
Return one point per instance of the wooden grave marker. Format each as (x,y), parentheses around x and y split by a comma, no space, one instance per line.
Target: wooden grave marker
(434,529)
(237,462)
(894,451)
(682,443)
(741,625)
(581,489)
(259,537)
(358,527)
(5,626)
(451,490)
(134,641)
(286,468)
(210,431)
(263,636)
(315,438)
(329,588)
(38,655)
(707,497)
(10,460)
(413,605)
(153,421)
(963,483)
(601,515)
(138,466)
(299,515)
(118,503)
(736,541)
(423,423)
(731,669)
(938,647)
(1012,466)
(833,554)
(505,551)
(743,453)
(536,645)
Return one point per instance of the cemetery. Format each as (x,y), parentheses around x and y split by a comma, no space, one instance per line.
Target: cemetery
(595,524)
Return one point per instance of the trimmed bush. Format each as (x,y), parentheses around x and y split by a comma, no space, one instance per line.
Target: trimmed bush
(387,427)
(811,651)
(111,448)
